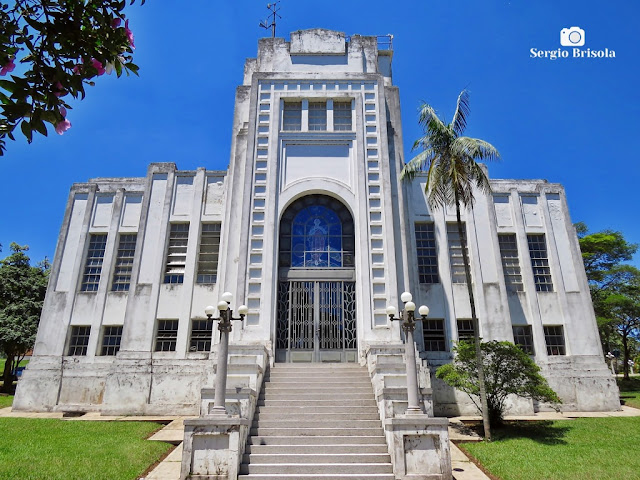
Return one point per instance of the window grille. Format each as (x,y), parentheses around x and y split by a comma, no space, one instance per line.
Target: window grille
(465,329)
(510,262)
(79,340)
(317,115)
(342,116)
(455,253)
(111,340)
(201,334)
(167,335)
(523,338)
(124,263)
(554,338)
(208,255)
(426,251)
(292,116)
(93,265)
(434,336)
(540,262)
(176,253)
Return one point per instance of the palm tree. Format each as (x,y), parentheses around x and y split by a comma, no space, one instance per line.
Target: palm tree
(452,175)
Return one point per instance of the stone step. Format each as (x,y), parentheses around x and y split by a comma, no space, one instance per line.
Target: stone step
(314,468)
(316,432)
(316,423)
(332,380)
(353,414)
(316,440)
(294,388)
(326,449)
(316,458)
(338,397)
(311,402)
(306,409)
(297,476)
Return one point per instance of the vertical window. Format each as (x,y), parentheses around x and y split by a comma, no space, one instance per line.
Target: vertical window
(124,263)
(176,253)
(201,333)
(317,115)
(523,338)
(554,338)
(510,262)
(540,262)
(79,340)
(455,253)
(426,251)
(111,340)
(434,337)
(208,254)
(341,116)
(167,335)
(292,116)
(465,329)
(93,265)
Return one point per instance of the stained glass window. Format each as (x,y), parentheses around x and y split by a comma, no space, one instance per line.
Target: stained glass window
(317,234)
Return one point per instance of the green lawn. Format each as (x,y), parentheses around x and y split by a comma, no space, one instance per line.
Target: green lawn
(5,400)
(630,391)
(581,449)
(49,449)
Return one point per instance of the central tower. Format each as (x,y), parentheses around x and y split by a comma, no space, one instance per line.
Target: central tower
(313,196)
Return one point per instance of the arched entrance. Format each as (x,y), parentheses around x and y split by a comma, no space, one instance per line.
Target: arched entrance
(316,289)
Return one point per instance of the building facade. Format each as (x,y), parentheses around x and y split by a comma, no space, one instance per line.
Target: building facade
(311,228)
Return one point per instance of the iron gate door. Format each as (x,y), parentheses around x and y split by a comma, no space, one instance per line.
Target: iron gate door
(316,322)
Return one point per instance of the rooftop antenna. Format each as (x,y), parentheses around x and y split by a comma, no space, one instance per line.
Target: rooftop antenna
(273,7)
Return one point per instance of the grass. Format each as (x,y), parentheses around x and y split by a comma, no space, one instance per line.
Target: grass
(6,400)
(581,449)
(630,391)
(49,449)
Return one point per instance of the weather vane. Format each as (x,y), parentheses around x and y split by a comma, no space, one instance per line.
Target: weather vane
(273,7)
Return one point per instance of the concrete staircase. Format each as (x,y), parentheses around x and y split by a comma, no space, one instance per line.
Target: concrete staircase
(317,421)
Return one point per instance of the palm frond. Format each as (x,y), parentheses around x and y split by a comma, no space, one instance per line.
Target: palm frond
(433,127)
(475,149)
(417,164)
(459,121)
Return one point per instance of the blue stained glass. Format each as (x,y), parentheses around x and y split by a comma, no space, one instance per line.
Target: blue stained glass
(316,230)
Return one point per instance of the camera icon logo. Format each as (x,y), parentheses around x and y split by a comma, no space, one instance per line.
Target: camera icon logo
(572,37)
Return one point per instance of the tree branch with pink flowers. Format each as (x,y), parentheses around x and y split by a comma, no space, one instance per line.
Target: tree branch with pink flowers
(50,51)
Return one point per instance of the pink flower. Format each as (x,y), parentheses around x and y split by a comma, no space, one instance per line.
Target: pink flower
(10,66)
(98,66)
(116,22)
(63,112)
(129,34)
(76,69)
(59,89)
(63,126)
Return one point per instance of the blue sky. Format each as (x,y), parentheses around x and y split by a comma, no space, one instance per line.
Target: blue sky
(572,121)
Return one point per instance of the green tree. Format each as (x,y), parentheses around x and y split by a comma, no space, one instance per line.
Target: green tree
(22,290)
(58,47)
(449,159)
(508,371)
(615,288)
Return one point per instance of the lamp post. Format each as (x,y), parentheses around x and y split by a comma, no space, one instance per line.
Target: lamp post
(224,326)
(408,326)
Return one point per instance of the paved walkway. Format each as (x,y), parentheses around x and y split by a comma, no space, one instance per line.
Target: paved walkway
(173,432)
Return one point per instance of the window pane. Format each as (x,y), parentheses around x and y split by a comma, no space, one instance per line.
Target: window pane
(79,340)
(510,262)
(111,340)
(465,329)
(434,336)
(317,115)
(292,116)
(341,116)
(426,251)
(201,334)
(554,338)
(456,258)
(124,263)
(540,262)
(176,253)
(166,335)
(208,255)
(523,338)
(93,265)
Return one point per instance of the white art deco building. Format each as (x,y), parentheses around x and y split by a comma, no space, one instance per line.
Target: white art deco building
(312,229)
